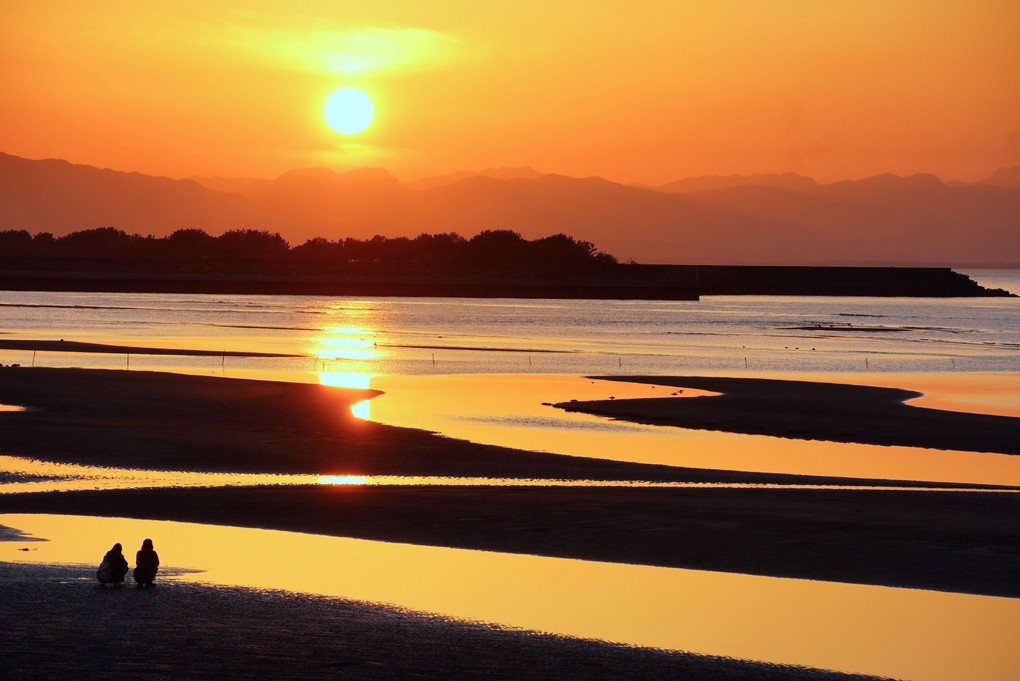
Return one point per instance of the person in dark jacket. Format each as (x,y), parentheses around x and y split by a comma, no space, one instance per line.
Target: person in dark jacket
(116,566)
(146,564)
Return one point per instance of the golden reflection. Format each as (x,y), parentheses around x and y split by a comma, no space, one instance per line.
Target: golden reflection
(340,379)
(339,343)
(899,633)
(47,476)
(11,407)
(345,344)
(342,480)
(515,411)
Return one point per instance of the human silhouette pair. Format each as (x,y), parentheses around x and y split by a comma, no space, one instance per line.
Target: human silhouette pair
(114,566)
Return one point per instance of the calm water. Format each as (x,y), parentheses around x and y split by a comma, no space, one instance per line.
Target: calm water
(901,633)
(428,336)
(481,369)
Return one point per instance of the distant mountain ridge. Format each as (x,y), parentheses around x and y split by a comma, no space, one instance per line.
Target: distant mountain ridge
(758,219)
(709,182)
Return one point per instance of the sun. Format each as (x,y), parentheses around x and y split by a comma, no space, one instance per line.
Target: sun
(348,111)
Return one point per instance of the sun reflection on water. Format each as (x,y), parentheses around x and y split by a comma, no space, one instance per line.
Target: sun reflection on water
(18,475)
(340,379)
(342,479)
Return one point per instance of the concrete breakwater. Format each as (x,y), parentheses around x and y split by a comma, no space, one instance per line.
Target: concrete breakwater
(611,282)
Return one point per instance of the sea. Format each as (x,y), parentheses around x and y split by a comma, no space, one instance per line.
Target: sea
(723,335)
(487,370)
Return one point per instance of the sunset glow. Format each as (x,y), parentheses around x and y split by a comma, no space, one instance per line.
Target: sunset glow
(510,340)
(641,92)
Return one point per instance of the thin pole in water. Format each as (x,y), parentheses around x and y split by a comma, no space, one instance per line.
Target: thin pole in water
(433,359)
(33,357)
(129,360)
(745,362)
(866,363)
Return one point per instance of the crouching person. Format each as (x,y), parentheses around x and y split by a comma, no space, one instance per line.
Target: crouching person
(146,564)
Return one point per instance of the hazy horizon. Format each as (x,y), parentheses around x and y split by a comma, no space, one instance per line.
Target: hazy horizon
(465,172)
(626,126)
(766,219)
(639,94)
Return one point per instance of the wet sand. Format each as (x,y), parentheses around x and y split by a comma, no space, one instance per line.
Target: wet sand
(953,541)
(811,411)
(57,624)
(105,348)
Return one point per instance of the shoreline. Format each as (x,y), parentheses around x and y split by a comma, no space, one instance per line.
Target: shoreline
(953,541)
(602,282)
(238,633)
(807,410)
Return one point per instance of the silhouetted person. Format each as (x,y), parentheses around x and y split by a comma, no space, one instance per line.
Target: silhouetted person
(146,564)
(114,566)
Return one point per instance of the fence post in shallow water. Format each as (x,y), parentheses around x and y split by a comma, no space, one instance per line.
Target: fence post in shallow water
(33,357)
(129,360)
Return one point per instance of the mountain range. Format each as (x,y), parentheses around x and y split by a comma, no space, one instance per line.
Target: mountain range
(782,219)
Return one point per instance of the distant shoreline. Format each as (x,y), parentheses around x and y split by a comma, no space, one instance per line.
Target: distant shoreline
(616,282)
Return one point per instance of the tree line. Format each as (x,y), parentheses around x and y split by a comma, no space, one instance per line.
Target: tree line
(250,250)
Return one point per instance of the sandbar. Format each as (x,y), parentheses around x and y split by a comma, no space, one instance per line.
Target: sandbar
(935,539)
(106,348)
(811,411)
(953,541)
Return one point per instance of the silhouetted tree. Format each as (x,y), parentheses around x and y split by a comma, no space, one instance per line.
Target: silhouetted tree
(251,244)
(499,251)
(16,243)
(102,242)
(560,250)
(191,244)
(319,253)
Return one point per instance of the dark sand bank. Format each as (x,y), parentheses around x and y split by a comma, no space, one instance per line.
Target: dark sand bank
(811,411)
(968,542)
(945,541)
(57,623)
(104,348)
(164,421)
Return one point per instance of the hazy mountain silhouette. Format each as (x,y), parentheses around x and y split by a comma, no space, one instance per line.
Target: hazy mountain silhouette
(701,183)
(763,219)
(1004,177)
(525,172)
(60,197)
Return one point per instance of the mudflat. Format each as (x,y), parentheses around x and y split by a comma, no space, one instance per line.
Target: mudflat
(57,624)
(955,541)
(811,411)
(936,539)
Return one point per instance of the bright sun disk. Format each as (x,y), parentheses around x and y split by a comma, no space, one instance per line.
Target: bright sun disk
(348,111)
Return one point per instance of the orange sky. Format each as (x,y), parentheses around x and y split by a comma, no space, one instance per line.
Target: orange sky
(633,91)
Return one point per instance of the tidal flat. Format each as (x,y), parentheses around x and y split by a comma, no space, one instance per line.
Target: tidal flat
(933,538)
